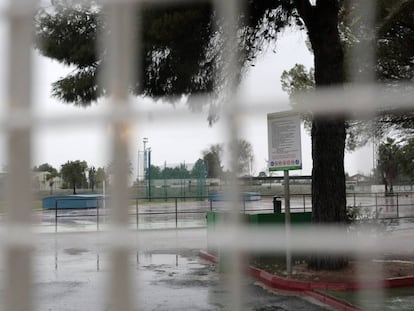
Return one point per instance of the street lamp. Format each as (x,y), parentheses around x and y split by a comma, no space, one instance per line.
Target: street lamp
(145,141)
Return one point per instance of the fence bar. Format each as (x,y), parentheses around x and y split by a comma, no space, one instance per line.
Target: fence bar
(229,11)
(56,215)
(18,263)
(398,209)
(122,20)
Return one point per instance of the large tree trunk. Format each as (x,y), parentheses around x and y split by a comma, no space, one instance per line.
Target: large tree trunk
(328,131)
(328,184)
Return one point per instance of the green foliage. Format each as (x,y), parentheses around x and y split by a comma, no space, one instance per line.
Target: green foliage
(181,50)
(212,159)
(388,162)
(51,176)
(199,170)
(101,177)
(243,152)
(177,172)
(394,45)
(92,177)
(297,79)
(73,173)
(244,157)
(68,34)
(155,172)
(45,167)
(406,158)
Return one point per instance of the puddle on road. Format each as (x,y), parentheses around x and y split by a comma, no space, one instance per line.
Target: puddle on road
(75,251)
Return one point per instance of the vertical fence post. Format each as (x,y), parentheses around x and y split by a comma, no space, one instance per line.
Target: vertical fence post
(376,206)
(97,214)
(398,208)
(56,215)
(176,213)
(211,205)
(304,203)
(354,199)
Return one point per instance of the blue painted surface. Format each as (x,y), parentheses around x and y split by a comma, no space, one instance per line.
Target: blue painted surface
(247,196)
(73,201)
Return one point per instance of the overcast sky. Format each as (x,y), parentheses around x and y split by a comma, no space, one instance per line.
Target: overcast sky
(177,140)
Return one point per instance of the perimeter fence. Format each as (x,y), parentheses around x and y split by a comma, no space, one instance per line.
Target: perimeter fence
(189,212)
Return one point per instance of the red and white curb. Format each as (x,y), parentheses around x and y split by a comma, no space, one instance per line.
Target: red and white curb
(308,288)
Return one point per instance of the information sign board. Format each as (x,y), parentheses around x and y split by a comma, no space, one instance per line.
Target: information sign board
(285,152)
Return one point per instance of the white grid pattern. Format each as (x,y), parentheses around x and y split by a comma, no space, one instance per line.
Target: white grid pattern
(18,122)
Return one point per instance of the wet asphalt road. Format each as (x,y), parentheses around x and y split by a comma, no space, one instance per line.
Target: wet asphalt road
(77,279)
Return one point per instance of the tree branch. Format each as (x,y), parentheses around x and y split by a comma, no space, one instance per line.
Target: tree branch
(304,9)
(388,20)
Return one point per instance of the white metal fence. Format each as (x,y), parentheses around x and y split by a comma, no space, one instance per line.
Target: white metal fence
(18,123)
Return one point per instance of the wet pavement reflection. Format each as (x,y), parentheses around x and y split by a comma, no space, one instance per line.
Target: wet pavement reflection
(77,279)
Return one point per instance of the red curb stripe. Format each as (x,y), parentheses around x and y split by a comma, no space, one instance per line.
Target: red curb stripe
(399,282)
(308,288)
(208,257)
(303,285)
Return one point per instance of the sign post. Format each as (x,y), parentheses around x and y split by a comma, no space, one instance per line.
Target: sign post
(285,153)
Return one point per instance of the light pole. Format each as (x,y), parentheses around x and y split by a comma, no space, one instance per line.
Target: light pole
(145,141)
(149,174)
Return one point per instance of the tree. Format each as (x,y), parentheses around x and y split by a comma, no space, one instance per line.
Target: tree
(394,44)
(92,177)
(297,79)
(244,157)
(45,167)
(199,170)
(50,176)
(170,67)
(406,159)
(177,172)
(155,172)
(101,177)
(67,32)
(73,173)
(212,159)
(388,163)
(328,134)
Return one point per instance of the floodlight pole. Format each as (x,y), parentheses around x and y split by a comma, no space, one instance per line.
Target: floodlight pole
(149,174)
(287,223)
(145,140)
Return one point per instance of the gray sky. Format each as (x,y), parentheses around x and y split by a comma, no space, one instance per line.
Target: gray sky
(178,140)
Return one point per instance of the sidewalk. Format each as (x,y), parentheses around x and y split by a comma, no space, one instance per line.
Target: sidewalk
(401,236)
